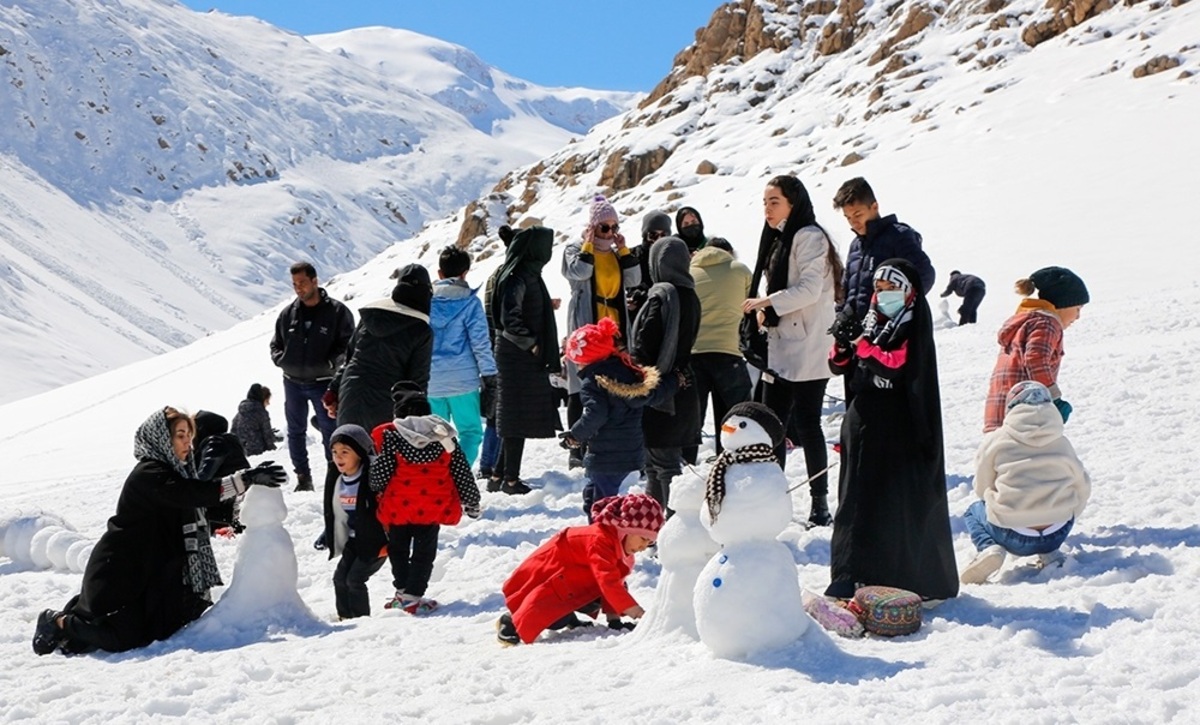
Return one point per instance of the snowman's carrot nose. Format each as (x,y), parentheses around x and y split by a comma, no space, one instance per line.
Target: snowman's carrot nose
(726,428)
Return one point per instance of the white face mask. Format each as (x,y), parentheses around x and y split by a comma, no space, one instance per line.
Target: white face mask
(889,302)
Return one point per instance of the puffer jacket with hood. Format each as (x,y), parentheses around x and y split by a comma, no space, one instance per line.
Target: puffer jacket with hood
(462,349)
(392,342)
(614,395)
(1027,472)
(421,475)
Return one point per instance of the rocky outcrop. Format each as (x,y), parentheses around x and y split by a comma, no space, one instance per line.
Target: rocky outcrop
(624,171)
(474,224)
(1157,64)
(1067,14)
(736,30)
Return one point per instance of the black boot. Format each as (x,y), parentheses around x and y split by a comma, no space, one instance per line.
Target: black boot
(819,515)
(304,482)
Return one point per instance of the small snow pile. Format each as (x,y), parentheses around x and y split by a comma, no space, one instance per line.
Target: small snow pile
(44,541)
(684,547)
(263,598)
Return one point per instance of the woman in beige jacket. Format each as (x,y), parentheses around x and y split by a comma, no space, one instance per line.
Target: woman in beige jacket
(802,269)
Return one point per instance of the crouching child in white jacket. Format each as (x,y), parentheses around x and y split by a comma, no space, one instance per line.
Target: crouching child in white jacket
(1030,482)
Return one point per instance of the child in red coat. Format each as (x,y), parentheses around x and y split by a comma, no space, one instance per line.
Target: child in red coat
(578,566)
(422,480)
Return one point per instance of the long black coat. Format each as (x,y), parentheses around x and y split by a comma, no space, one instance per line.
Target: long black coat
(893,523)
(526,405)
(681,428)
(392,342)
(134,581)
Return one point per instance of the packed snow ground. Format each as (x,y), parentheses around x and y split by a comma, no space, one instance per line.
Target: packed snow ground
(1093,172)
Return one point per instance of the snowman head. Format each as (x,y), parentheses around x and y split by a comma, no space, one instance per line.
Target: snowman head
(747,424)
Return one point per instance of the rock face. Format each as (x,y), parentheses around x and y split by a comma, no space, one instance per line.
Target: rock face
(1067,14)
(1157,64)
(736,30)
(624,171)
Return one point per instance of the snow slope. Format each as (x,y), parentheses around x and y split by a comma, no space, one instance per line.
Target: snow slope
(1067,163)
(164,167)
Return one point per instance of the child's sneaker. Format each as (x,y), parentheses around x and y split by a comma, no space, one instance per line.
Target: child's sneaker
(506,631)
(396,602)
(515,488)
(494,484)
(986,563)
(417,606)
(47,636)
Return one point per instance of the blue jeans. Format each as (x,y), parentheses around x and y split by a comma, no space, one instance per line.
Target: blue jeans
(463,412)
(984,534)
(296,398)
(601,485)
(490,453)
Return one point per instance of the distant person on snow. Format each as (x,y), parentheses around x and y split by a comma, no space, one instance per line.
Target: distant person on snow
(151,572)
(252,424)
(971,289)
(462,364)
(309,343)
(1030,483)
(1031,341)
(422,481)
(581,568)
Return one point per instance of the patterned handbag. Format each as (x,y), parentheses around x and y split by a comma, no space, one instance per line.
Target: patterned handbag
(887,611)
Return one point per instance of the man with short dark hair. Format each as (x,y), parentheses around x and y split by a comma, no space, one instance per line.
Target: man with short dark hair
(309,344)
(876,239)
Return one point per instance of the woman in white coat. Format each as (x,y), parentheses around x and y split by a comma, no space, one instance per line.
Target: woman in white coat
(802,269)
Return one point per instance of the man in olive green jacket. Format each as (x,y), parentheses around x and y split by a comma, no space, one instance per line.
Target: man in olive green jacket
(722,284)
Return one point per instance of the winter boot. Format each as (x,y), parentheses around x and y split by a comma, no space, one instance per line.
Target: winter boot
(48,635)
(506,631)
(303,481)
(985,563)
(819,514)
(494,484)
(515,487)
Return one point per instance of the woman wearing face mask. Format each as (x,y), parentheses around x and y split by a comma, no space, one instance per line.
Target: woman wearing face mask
(892,525)
(802,269)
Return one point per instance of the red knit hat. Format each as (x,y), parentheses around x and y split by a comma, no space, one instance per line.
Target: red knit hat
(592,343)
(637,513)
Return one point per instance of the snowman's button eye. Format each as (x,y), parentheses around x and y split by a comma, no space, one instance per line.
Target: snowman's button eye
(742,424)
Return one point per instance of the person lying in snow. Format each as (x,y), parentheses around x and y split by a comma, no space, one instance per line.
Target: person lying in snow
(1030,483)
(581,568)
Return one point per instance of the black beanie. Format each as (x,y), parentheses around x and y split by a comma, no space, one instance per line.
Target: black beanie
(762,415)
(356,437)
(413,288)
(408,398)
(1060,287)
(506,234)
(656,221)
(209,423)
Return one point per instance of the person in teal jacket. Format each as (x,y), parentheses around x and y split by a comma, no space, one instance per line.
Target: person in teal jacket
(462,351)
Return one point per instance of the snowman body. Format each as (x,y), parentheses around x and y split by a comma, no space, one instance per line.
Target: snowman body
(747,597)
(684,548)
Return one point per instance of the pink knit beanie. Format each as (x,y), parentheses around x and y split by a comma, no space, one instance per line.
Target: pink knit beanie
(637,513)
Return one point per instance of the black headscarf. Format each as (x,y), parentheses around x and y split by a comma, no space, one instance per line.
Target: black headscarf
(775,247)
(528,253)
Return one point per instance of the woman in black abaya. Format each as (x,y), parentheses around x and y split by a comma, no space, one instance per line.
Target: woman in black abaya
(893,524)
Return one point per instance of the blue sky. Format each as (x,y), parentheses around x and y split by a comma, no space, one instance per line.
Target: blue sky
(616,44)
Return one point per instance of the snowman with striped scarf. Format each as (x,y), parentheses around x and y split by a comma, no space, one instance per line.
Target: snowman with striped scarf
(747,598)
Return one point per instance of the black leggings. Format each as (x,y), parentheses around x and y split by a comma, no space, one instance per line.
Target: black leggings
(512,450)
(411,550)
(802,403)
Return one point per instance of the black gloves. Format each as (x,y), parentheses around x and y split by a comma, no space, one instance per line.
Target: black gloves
(487,396)
(267,473)
(846,327)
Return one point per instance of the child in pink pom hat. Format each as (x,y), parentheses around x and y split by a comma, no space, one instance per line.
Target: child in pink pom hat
(581,568)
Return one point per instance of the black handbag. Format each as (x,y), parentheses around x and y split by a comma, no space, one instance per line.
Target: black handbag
(752,340)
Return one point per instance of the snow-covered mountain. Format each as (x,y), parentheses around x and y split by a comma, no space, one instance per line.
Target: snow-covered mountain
(163,167)
(1023,155)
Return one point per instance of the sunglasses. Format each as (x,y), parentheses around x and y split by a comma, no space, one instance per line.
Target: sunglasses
(655,234)
(606,228)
